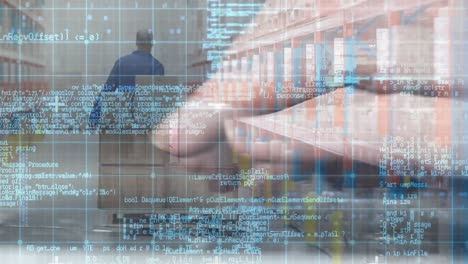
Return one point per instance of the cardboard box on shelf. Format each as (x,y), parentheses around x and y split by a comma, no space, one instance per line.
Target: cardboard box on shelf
(411,49)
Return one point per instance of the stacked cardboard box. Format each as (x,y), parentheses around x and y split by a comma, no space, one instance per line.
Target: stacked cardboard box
(411,50)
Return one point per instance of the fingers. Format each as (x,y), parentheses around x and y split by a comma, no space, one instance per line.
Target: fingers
(199,125)
(191,130)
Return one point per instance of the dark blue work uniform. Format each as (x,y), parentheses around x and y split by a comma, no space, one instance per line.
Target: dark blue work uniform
(122,76)
(127,67)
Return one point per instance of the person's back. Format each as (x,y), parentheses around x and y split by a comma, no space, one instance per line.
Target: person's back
(126,68)
(139,62)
